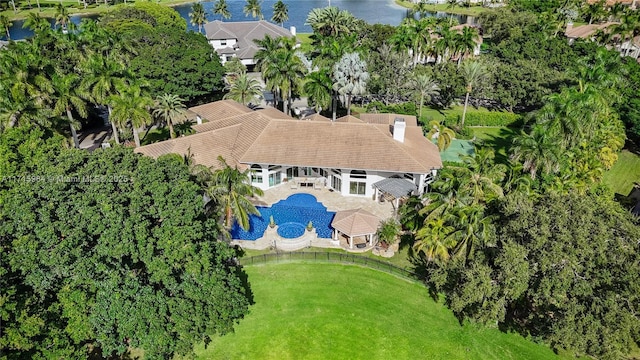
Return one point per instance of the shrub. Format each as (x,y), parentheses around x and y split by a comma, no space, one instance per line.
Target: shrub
(407,108)
(484,118)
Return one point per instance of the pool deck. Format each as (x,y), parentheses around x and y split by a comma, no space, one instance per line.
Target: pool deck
(332,200)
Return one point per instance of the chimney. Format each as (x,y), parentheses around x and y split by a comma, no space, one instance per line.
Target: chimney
(398,129)
(293,30)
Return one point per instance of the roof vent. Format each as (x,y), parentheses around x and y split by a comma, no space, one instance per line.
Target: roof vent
(399,127)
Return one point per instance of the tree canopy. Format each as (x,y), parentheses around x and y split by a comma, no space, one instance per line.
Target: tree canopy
(106,252)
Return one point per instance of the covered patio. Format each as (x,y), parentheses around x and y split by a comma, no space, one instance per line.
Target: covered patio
(353,224)
(392,190)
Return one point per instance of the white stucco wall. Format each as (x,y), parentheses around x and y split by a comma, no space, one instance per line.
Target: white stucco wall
(217,43)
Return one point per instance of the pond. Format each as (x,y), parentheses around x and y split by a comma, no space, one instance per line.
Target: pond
(371,11)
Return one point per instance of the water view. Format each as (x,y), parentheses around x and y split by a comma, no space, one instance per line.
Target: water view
(371,11)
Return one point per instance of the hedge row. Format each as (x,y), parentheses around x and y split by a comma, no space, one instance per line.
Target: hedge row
(407,108)
(484,118)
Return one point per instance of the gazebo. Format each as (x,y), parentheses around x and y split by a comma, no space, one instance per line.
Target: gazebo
(353,223)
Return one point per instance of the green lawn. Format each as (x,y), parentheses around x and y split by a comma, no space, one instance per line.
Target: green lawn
(333,311)
(472,10)
(499,138)
(624,173)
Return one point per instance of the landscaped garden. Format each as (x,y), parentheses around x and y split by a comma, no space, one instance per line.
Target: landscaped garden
(320,311)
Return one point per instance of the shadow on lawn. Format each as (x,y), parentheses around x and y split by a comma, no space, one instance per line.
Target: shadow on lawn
(501,143)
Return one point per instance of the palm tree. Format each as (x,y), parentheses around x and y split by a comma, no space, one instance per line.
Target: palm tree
(388,231)
(537,152)
(35,22)
(466,42)
(421,8)
(6,23)
(424,87)
(69,96)
(350,77)
(170,108)
(317,87)
(474,72)
(451,4)
(253,8)
(198,16)
(331,21)
(473,228)
(280,13)
(267,63)
(130,105)
(231,188)
(435,240)
(102,79)
(443,134)
(62,16)
(595,11)
(221,8)
(243,88)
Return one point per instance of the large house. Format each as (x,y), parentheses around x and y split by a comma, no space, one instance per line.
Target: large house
(376,155)
(626,47)
(235,39)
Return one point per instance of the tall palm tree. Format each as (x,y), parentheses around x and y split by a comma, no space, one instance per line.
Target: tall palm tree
(537,152)
(221,8)
(231,188)
(421,8)
(103,77)
(466,42)
(435,240)
(198,16)
(472,226)
(424,87)
(280,13)
(69,96)
(36,23)
(267,63)
(243,88)
(131,106)
(62,16)
(317,87)
(170,108)
(331,21)
(253,8)
(6,23)
(451,4)
(441,133)
(350,77)
(474,72)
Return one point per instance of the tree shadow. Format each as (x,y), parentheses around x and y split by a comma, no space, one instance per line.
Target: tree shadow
(501,143)
(158,134)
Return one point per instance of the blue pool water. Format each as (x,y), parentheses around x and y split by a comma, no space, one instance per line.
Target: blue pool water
(291,215)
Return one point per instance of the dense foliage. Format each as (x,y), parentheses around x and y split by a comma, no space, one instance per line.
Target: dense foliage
(107,252)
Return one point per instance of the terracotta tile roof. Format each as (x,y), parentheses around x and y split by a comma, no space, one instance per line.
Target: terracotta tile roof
(388,119)
(316,117)
(220,110)
(586,31)
(356,222)
(266,137)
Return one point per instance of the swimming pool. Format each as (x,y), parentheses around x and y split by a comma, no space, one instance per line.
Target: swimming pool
(293,214)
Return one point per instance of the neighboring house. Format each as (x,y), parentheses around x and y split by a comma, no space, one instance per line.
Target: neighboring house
(3,44)
(631,3)
(589,32)
(347,156)
(235,39)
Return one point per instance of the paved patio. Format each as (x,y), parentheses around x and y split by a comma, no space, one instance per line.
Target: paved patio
(333,201)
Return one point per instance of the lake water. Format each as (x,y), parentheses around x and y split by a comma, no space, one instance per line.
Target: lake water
(371,11)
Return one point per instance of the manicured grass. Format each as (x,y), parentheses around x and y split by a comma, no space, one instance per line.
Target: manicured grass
(624,173)
(305,42)
(472,10)
(499,138)
(333,311)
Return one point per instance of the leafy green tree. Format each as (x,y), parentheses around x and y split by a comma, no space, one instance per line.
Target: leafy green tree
(120,256)
(350,77)
(198,16)
(253,8)
(170,108)
(243,88)
(230,188)
(474,73)
(148,15)
(222,9)
(331,21)
(6,23)
(280,13)
(423,87)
